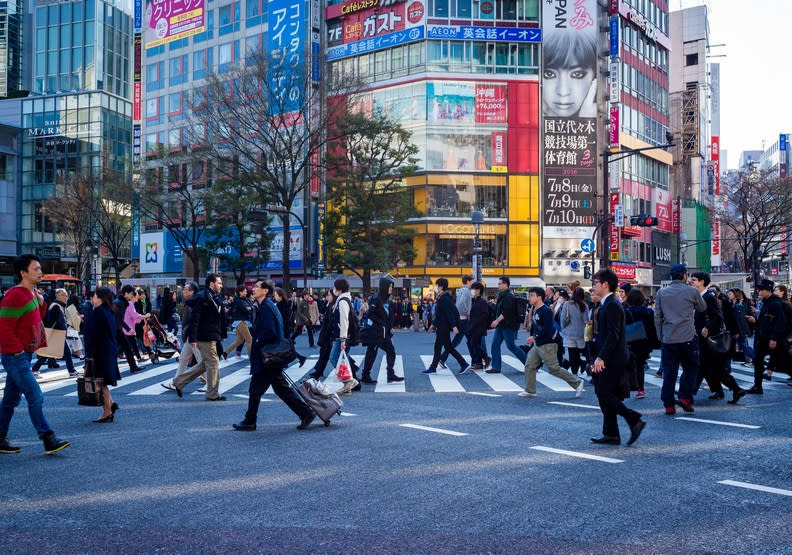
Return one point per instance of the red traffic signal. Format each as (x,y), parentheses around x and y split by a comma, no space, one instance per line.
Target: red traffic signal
(643,220)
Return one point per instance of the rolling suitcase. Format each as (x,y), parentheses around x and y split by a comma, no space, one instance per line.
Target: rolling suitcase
(324,404)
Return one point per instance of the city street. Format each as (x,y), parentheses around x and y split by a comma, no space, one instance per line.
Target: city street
(446,464)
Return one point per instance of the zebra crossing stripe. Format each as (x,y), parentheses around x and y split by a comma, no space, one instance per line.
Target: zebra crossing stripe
(443,381)
(139,377)
(496,382)
(547,380)
(382,378)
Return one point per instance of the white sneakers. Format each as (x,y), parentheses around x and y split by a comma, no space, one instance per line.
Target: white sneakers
(526,394)
(579,389)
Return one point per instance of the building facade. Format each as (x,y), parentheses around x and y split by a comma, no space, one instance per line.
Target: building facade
(463,77)
(639,118)
(15,31)
(10,165)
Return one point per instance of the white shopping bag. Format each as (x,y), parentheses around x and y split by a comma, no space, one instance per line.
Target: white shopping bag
(333,382)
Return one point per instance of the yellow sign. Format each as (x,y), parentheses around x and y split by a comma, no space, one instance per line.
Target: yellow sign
(614,256)
(500,169)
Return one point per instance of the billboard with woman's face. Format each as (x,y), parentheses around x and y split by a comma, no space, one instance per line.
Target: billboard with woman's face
(569,110)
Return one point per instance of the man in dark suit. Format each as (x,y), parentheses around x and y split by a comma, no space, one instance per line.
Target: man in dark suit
(268,330)
(446,319)
(610,377)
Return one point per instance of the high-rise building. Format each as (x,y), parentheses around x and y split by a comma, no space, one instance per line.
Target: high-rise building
(463,77)
(80,122)
(639,47)
(173,64)
(15,30)
(777,157)
(695,181)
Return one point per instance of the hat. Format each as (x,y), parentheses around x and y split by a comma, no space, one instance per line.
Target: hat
(766,284)
(677,271)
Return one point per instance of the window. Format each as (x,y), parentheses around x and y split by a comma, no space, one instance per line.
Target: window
(155,76)
(691,60)
(253,13)
(203,63)
(229,18)
(252,47)
(226,54)
(178,70)
(155,108)
(440,8)
(209,32)
(175,106)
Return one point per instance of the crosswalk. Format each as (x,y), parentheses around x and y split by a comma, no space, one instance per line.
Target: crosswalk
(235,376)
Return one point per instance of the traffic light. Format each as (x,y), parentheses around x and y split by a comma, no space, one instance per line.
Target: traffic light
(586,271)
(643,220)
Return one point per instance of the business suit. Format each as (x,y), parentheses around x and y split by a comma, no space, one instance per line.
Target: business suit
(612,384)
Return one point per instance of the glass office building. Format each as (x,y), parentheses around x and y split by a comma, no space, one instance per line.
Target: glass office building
(12,52)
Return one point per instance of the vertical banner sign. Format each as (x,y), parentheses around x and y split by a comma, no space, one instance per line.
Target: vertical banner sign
(138,62)
(614,81)
(715,152)
(138,16)
(615,235)
(136,138)
(675,217)
(285,44)
(170,20)
(614,36)
(137,101)
(499,152)
(569,128)
(137,85)
(613,7)
(613,128)
(782,157)
(321,212)
(135,224)
(715,256)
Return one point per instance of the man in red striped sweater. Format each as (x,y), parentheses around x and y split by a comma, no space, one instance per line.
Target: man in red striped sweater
(21,333)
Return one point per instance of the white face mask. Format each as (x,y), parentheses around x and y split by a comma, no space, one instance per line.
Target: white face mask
(436,289)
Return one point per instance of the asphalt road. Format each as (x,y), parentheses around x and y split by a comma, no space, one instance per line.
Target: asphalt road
(502,475)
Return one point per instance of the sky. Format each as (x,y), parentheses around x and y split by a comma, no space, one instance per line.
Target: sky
(755,76)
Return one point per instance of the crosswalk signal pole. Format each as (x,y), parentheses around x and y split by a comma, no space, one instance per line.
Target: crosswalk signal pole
(477,218)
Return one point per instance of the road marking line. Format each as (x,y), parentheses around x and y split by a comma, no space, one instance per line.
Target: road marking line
(443,381)
(573,405)
(348,413)
(138,376)
(436,430)
(746,485)
(548,380)
(497,382)
(733,424)
(576,454)
(484,394)
(382,378)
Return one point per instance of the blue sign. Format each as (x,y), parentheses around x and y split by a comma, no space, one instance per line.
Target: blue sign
(587,246)
(138,15)
(316,59)
(389,40)
(286,48)
(475,33)
(575,265)
(614,36)
(782,142)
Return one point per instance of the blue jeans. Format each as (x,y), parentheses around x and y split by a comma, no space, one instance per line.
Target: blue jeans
(672,355)
(20,381)
(463,327)
(508,335)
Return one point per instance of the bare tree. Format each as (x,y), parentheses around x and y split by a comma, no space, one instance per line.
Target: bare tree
(173,195)
(114,199)
(270,119)
(365,230)
(756,216)
(72,212)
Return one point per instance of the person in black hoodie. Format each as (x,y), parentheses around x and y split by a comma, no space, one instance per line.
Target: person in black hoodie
(377,331)
(207,327)
(710,323)
(446,320)
(478,326)
(771,330)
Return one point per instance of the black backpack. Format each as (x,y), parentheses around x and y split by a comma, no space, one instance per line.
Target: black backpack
(522,308)
(353,328)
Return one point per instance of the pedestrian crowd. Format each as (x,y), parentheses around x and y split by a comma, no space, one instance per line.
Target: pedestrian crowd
(604,336)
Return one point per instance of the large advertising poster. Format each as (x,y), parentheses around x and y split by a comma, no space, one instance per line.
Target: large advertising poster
(286,41)
(169,20)
(463,102)
(569,109)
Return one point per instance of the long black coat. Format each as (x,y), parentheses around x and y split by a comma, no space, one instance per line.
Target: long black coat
(611,347)
(101,345)
(267,330)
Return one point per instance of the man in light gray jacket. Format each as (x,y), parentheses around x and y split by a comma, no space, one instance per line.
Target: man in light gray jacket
(464,300)
(675,310)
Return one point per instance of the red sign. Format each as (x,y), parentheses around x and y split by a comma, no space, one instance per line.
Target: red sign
(783,239)
(624,270)
(490,103)
(675,218)
(613,6)
(499,148)
(614,235)
(662,202)
(715,152)
(415,12)
(486,7)
(613,129)
(137,99)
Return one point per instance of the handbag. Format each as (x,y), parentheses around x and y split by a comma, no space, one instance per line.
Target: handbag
(635,331)
(56,339)
(89,387)
(281,353)
(719,343)
(588,332)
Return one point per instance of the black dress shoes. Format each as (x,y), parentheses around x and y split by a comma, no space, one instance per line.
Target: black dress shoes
(635,431)
(717,395)
(395,379)
(305,422)
(739,394)
(755,391)
(606,440)
(244,427)
(368,381)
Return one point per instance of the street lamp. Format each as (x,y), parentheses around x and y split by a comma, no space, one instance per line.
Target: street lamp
(477,218)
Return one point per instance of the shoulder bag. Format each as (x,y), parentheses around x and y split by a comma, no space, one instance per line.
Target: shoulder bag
(720,342)
(56,339)
(281,353)
(635,331)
